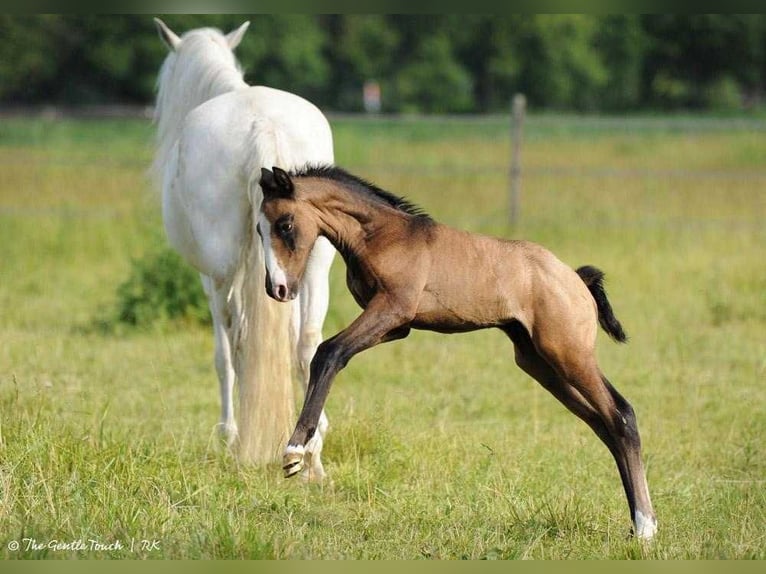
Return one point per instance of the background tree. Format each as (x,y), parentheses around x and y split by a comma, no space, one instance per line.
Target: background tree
(621,42)
(560,67)
(426,63)
(363,47)
(692,61)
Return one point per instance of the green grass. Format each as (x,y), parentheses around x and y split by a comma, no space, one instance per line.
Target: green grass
(439,446)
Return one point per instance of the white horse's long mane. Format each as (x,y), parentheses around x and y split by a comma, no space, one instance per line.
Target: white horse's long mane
(202,67)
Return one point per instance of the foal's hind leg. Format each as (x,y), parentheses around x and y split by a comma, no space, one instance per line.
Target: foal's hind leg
(587,394)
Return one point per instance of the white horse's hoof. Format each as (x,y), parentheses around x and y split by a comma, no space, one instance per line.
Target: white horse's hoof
(229,433)
(312,476)
(292,460)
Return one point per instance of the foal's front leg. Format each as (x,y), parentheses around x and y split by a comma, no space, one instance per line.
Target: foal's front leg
(381,321)
(310,315)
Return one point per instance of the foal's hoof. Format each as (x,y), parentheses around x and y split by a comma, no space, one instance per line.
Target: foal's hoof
(292,460)
(645,526)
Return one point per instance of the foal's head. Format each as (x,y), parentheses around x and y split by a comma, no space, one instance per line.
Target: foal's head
(288,230)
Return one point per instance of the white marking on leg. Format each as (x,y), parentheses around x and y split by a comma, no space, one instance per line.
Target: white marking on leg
(646,526)
(277,275)
(314,445)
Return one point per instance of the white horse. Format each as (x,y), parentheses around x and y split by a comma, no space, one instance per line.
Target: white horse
(215,133)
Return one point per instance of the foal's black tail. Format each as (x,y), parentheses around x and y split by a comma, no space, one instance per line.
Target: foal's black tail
(594,280)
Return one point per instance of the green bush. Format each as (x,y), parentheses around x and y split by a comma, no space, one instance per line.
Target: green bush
(723,94)
(161,288)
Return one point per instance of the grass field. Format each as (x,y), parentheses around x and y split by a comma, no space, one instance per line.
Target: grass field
(439,446)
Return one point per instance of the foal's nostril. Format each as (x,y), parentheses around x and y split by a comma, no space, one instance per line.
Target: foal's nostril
(281,292)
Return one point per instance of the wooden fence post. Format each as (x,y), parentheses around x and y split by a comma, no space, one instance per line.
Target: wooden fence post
(518,111)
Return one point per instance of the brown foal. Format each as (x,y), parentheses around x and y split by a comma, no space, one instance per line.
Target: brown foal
(408,272)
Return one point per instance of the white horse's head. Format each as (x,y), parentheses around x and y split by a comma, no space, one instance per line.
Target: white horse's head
(229,41)
(199,66)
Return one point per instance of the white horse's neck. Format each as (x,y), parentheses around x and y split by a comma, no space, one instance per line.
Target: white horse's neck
(202,67)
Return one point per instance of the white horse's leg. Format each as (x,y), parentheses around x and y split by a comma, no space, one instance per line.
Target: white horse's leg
(313,301)
(217,297)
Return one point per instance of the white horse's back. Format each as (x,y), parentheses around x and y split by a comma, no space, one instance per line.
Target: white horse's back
(222,145)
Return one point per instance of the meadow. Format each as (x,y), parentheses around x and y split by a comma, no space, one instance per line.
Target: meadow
(440,447)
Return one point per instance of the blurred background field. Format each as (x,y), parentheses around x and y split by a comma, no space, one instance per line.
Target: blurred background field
(439,446)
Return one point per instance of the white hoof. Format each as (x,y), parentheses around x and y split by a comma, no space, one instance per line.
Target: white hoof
(228,432)
(646,526)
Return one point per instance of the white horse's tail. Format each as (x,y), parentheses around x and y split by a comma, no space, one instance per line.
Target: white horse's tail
(264,348)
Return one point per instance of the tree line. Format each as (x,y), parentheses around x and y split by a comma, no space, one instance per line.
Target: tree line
(426,63)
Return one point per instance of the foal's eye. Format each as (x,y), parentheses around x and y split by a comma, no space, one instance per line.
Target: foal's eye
(284,228)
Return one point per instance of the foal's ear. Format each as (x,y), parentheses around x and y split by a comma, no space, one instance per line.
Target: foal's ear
(276,184)
(167,35)
(283,181)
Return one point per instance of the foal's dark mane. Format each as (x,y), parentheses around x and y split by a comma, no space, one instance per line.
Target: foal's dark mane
(358,185)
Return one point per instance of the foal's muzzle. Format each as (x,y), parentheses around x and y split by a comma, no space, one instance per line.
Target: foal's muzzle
(280,292)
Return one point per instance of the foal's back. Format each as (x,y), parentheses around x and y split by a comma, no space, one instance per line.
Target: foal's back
(476,281)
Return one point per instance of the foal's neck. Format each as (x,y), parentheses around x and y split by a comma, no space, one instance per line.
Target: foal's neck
(349,219)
